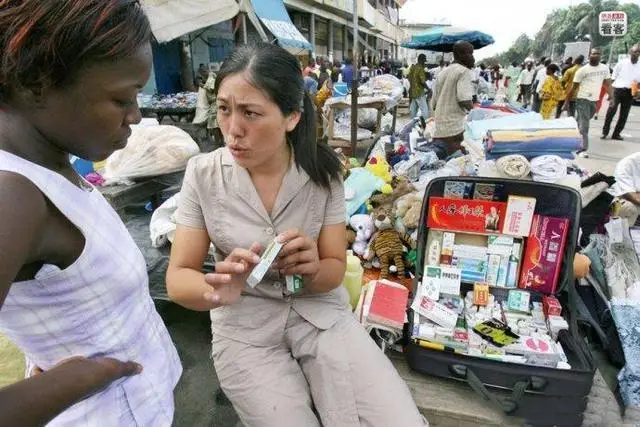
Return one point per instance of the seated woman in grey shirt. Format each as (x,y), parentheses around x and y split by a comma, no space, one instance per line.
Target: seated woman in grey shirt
(282,358)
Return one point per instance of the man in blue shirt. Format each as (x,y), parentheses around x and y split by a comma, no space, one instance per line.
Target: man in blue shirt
(347,72)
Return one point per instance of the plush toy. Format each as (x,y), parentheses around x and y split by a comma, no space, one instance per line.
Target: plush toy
(386,244)
(378,166)
(351,236)
(408,208)
(363,226)
(400,185)
(360,185)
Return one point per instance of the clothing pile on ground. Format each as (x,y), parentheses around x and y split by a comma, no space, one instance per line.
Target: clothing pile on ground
(611,294)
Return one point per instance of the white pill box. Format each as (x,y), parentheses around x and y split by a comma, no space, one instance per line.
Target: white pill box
(268,257)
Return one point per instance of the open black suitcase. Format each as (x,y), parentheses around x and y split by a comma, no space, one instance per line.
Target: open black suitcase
(539,395)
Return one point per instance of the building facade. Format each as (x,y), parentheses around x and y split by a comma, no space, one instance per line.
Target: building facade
(328,26)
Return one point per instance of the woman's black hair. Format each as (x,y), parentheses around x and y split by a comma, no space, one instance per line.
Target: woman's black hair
(552,69)
(275,71)
(46,43)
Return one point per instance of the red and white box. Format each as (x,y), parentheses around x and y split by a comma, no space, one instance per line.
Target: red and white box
(544,254)
(551,306)
(519,216)
(479,216)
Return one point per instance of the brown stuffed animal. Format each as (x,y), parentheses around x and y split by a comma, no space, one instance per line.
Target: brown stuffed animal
(386,244)
(401,186)
(409,208)
(351,236)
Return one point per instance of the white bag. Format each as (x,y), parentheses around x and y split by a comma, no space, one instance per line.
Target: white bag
(162,226)
(202,107)
(151,151)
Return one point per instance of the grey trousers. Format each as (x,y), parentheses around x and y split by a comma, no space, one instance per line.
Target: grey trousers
(585,110)
(338,373)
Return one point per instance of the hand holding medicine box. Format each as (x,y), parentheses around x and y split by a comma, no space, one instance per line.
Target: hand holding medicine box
(294,282)
(268,257)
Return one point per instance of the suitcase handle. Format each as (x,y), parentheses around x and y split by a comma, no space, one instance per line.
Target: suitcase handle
(507,404)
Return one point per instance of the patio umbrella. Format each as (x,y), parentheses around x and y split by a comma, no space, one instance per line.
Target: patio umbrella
(442,39)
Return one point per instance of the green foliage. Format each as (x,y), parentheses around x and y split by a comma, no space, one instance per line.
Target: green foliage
(574,23)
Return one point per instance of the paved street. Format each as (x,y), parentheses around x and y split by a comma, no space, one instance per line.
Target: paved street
(606,153)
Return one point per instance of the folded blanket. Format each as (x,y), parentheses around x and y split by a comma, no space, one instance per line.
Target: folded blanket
(531,154)
(514,166)
(548,168)
(523,135)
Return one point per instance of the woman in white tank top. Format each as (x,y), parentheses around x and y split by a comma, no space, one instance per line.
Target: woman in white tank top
(73,284)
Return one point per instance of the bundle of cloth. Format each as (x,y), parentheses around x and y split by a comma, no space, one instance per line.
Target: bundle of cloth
(502,106)
(478,123)
(533,142)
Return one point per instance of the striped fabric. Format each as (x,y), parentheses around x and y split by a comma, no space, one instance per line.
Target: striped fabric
(98,306)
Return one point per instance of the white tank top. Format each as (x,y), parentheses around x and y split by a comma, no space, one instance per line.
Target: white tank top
(98,306)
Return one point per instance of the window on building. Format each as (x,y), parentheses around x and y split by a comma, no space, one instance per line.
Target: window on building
(302,22)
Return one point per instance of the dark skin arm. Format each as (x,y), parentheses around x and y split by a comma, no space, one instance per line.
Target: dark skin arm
(574,89)
(633,197)
(37,400)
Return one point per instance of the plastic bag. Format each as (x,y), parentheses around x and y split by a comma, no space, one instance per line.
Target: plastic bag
(151,151)
(202,107)
(162,227)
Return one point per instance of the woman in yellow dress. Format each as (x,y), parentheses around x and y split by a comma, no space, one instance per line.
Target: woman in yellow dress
(551,93)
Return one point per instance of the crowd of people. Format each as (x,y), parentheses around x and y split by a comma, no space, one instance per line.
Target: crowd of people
(577,86)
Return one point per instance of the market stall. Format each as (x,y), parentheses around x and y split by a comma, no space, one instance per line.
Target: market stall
(377,109)
(179,107)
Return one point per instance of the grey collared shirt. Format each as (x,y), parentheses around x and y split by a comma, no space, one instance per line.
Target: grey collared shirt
(219,196)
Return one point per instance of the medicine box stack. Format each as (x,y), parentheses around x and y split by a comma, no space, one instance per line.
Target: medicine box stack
(497,263)
(504,259)
(515,330)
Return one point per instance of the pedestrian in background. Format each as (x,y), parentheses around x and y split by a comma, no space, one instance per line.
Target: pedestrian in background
(417,88)
(587,83)
(452,99)
(551,92)
(626,74)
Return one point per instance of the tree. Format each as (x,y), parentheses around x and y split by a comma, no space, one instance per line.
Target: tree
(519,51)
(571,24)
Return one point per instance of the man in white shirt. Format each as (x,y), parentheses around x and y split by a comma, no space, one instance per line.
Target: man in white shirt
(587,83)
(525,81)
(627,188)
(624,74)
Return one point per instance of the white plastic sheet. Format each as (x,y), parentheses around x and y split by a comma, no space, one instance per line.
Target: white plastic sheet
(151,151)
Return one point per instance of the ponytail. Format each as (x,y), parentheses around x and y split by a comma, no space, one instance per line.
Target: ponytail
(315,157)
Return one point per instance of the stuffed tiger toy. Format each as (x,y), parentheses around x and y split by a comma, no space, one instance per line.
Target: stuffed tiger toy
(386,244)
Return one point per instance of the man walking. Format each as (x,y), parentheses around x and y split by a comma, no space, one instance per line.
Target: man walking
(587,84)
(526,81)
(417,88)
(452,99)
(625,73)
(569,104)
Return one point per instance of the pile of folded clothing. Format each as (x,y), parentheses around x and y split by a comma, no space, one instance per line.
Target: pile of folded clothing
(533,142)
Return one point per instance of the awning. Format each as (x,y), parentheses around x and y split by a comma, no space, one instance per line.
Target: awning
(275,17)
(171,19)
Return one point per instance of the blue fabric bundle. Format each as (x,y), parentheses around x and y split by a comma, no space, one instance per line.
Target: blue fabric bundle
(533,142)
